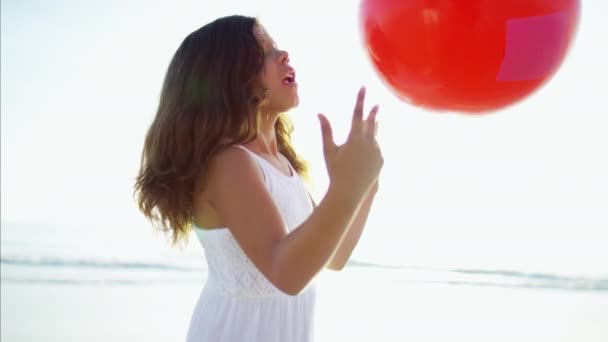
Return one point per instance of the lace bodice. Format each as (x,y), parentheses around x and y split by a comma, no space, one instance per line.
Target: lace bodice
(231,273)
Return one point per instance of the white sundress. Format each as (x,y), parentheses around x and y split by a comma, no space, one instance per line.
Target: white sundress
(238,303)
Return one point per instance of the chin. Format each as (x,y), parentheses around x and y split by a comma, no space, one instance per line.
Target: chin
(295,103)
(289,104)
(283,103)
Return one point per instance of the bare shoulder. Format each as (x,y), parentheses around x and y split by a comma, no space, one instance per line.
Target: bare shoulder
(221,173)
(229,166)
(235,183)
(243,204)
(230,156)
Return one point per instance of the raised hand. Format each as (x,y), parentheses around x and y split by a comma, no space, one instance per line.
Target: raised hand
(354,166)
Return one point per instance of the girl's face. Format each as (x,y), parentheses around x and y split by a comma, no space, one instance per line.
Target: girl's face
(278,76)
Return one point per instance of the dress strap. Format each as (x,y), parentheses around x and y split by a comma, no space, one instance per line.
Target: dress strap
(266,164)
(259,160)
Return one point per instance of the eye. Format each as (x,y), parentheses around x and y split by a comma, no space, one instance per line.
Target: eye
(272,53)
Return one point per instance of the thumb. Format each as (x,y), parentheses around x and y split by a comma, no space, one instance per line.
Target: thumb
(327,133)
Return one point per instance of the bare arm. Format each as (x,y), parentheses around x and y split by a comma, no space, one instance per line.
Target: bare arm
(290,261)
(353,234)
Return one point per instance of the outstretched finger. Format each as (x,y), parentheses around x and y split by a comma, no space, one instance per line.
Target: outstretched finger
(327,134)
(371,122)
(358,111)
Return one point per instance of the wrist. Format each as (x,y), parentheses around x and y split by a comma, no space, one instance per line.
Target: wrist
(345,196)
(373,190)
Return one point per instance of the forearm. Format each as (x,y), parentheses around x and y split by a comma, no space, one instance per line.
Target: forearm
(352,236)
(299,256)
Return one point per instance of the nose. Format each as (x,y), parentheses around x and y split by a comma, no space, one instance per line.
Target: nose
(283,57)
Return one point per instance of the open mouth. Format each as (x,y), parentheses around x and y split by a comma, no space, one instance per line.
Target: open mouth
(289,79)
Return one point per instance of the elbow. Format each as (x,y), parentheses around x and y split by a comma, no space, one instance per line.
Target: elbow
(337,263)
(288,284)
(289,289)
(336,267)
(291,292)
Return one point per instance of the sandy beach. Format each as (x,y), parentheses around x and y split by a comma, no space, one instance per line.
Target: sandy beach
(358,304)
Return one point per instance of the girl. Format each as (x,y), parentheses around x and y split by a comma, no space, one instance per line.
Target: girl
(218,160)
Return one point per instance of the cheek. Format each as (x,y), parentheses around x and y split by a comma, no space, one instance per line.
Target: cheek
(270,74)
(266,77)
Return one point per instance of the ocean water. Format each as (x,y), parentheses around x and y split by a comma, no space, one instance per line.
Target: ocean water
(59,285)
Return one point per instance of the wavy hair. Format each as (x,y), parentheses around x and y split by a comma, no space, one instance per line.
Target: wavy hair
(210,100)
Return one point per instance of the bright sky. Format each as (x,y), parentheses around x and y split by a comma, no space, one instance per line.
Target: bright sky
(524,187)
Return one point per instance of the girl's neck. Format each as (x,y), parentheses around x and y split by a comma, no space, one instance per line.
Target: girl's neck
(263,145)
(266,140)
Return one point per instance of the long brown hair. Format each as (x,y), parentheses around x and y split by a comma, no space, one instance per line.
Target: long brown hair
(209,101)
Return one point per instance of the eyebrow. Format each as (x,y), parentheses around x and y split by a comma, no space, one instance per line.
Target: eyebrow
(266,39)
